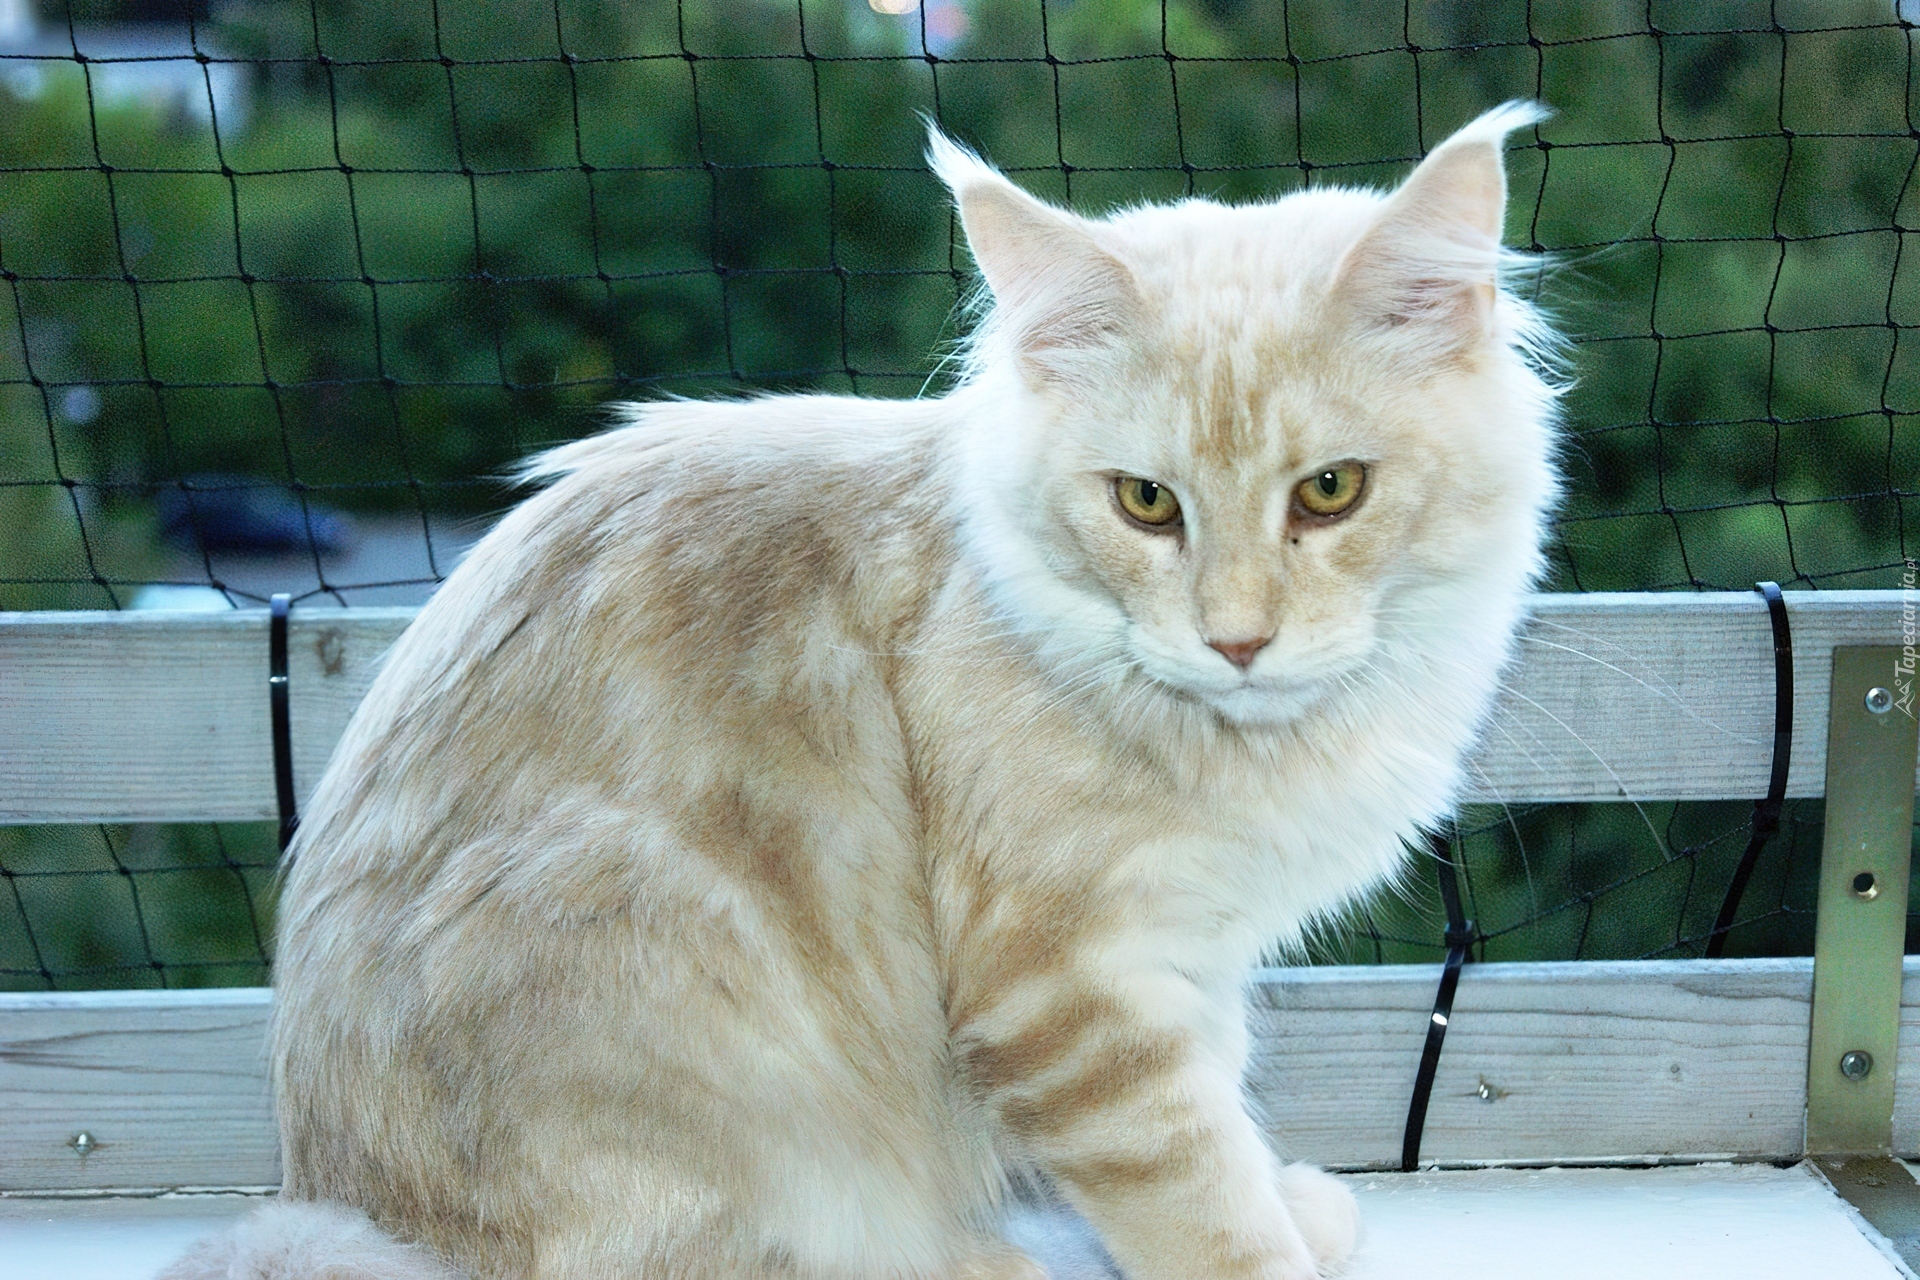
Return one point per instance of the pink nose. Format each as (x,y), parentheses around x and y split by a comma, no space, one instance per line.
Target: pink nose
(1240,652)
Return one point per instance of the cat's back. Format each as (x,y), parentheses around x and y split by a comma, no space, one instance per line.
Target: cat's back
(697,523)
(705,595)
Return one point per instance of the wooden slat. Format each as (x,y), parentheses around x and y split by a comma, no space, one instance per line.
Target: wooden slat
(1668,697)
(162,717)
(150,717)
(171,1085)
(1582,1062)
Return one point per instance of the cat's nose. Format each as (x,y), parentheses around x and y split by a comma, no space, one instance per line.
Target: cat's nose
(1240,652)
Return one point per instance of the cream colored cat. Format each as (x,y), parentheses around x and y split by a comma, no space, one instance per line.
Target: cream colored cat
(808,814)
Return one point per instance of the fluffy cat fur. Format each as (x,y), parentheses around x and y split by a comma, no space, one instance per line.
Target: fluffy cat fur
(808,816)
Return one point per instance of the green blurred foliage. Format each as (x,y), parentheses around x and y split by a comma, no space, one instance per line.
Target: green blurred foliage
(148,906)
(427,249)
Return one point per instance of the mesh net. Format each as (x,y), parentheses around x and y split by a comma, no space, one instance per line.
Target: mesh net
(284,285)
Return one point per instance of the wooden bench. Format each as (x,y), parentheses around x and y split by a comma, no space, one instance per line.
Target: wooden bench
(131,717)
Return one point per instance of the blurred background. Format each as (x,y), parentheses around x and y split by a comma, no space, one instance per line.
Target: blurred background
(286,285)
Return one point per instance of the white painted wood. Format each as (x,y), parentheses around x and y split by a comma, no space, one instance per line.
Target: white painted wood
(151,717)
(1714,1222)
(1595,1061)
(1718,1222)
(108,1237)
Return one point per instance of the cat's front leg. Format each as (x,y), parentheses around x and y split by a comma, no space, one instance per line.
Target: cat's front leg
(1145,1131)
(1324,1210)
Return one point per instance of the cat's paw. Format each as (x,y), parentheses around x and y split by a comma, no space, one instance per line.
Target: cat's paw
(1324,1211)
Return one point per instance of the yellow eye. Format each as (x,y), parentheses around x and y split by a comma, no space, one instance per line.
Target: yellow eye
(1334,491)
(1147,501)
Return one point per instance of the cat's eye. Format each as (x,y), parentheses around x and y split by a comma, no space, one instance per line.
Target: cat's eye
(1148,501)
(1332,492)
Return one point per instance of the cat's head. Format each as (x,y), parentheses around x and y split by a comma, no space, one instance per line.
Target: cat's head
(1254,452)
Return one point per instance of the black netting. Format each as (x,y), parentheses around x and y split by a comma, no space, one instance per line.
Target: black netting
(285,284)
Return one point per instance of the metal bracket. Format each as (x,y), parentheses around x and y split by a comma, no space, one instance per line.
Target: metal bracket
(1861,929)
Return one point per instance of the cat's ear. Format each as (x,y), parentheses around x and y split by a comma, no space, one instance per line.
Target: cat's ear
(1431,259)
(1056,290)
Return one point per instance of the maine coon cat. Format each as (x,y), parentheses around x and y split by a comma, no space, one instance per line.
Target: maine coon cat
(809,815)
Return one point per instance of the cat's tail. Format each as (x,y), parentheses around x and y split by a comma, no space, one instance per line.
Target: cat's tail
(295,1240)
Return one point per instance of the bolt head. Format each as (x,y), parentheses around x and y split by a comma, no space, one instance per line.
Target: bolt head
(1879,700)
(1856,1064)
(82,1142)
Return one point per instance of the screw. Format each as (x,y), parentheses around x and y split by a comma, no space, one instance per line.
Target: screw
(1879,700)
(1855,1064)
(82,1143)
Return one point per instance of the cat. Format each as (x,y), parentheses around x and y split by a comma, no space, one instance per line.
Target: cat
(808,817)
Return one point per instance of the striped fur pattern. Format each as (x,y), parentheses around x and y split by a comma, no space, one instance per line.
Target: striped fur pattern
(807,817)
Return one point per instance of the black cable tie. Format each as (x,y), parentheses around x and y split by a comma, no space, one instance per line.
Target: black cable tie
(1459,936)
(280,605)
(1766,812)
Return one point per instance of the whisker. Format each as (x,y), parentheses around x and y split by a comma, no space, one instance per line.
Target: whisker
(1659,842)
(1669,695)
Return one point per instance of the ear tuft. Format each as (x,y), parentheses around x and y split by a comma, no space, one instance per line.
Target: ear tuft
(1492,127)
(1432,256)
(1056,289)
(955,165)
